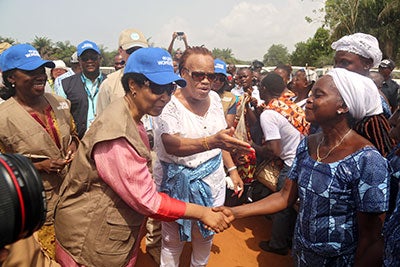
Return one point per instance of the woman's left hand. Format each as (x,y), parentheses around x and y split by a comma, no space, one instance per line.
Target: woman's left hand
(237,182)
(71,152)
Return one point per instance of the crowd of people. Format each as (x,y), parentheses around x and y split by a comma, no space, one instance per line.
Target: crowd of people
(175,145)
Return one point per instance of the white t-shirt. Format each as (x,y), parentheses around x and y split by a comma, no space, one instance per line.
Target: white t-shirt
(275,126)
(177,119)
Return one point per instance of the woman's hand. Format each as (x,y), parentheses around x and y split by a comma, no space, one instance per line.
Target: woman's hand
(71,150)
(224,139)
(51,165)
(237,182)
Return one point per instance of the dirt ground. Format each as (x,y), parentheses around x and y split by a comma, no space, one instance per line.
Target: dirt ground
(235,247)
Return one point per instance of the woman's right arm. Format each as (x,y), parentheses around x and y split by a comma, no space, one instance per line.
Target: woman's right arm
(127,173)
(278,201)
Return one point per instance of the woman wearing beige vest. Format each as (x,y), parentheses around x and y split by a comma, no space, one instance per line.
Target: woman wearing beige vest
(109,190)
(38,125)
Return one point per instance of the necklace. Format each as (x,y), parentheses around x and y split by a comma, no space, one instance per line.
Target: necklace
(319,159)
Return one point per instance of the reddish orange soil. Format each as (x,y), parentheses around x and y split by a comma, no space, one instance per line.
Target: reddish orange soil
(237,246)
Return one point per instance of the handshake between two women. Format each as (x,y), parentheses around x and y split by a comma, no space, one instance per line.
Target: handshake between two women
(216,219)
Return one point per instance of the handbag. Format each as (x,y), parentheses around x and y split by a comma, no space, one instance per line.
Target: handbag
(245,162)
(267,172)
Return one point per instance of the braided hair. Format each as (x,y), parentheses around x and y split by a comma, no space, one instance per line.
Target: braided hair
(376,129)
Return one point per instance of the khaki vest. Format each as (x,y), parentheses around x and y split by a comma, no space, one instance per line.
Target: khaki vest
(228,100)
(110,89)
(21,133)
(93,224)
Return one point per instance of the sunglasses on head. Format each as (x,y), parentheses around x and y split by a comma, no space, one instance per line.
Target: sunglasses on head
(199,76)
(88,57)
(132,49)
(159,89)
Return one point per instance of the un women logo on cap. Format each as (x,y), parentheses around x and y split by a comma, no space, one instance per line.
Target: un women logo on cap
(165,61)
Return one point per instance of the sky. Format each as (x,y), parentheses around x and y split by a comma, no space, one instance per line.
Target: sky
(248,28)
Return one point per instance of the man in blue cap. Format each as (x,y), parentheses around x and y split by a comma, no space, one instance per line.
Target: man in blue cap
(82,88)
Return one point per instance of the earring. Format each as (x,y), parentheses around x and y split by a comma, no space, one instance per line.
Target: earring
(338,112)
(133,93)
(13,85)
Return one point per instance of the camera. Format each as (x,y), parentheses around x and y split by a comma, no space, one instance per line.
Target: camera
(22,199)
(179,35)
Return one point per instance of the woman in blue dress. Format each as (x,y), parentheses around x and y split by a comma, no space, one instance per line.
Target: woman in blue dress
(341,180)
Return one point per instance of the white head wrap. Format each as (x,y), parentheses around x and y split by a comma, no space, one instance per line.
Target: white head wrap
(361,44)
(358,92)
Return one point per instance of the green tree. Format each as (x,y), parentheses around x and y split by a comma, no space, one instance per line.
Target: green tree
(380,18)
(224,54)
(7,40)
(389,19)
(44,45)
(63,51)
(276,54)
(300,55)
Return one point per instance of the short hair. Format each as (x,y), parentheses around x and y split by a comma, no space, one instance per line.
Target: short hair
(193,50)
(138,78)
(286,68)
(273,83)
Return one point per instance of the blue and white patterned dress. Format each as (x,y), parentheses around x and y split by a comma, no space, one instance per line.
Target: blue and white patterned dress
(330,195)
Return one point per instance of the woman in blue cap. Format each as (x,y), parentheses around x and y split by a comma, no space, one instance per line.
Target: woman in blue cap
(109,190)
(221,86)
(40,126)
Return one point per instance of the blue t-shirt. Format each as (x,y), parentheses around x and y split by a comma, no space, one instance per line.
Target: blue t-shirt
(331,194)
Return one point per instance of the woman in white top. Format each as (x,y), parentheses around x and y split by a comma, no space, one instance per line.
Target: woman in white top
(192,147)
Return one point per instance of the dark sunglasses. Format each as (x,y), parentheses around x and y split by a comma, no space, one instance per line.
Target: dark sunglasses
(198,76)
(86,58)
(159,89)
(132,49)
(122,62)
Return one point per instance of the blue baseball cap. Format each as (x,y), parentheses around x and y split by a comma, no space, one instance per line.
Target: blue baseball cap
(220,66)
(22,57)
(154,63)
(86,45)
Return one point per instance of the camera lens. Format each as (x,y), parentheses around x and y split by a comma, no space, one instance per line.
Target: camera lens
(22,199)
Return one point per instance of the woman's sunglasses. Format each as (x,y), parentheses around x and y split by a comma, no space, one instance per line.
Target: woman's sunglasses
(159,89)
(198,76)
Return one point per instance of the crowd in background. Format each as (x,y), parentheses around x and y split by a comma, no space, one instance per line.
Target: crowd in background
(195,142)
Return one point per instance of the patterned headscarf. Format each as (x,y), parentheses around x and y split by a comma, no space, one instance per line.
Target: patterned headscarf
(358,92)
(361,44)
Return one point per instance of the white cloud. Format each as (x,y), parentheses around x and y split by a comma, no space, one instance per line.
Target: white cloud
(249,29)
